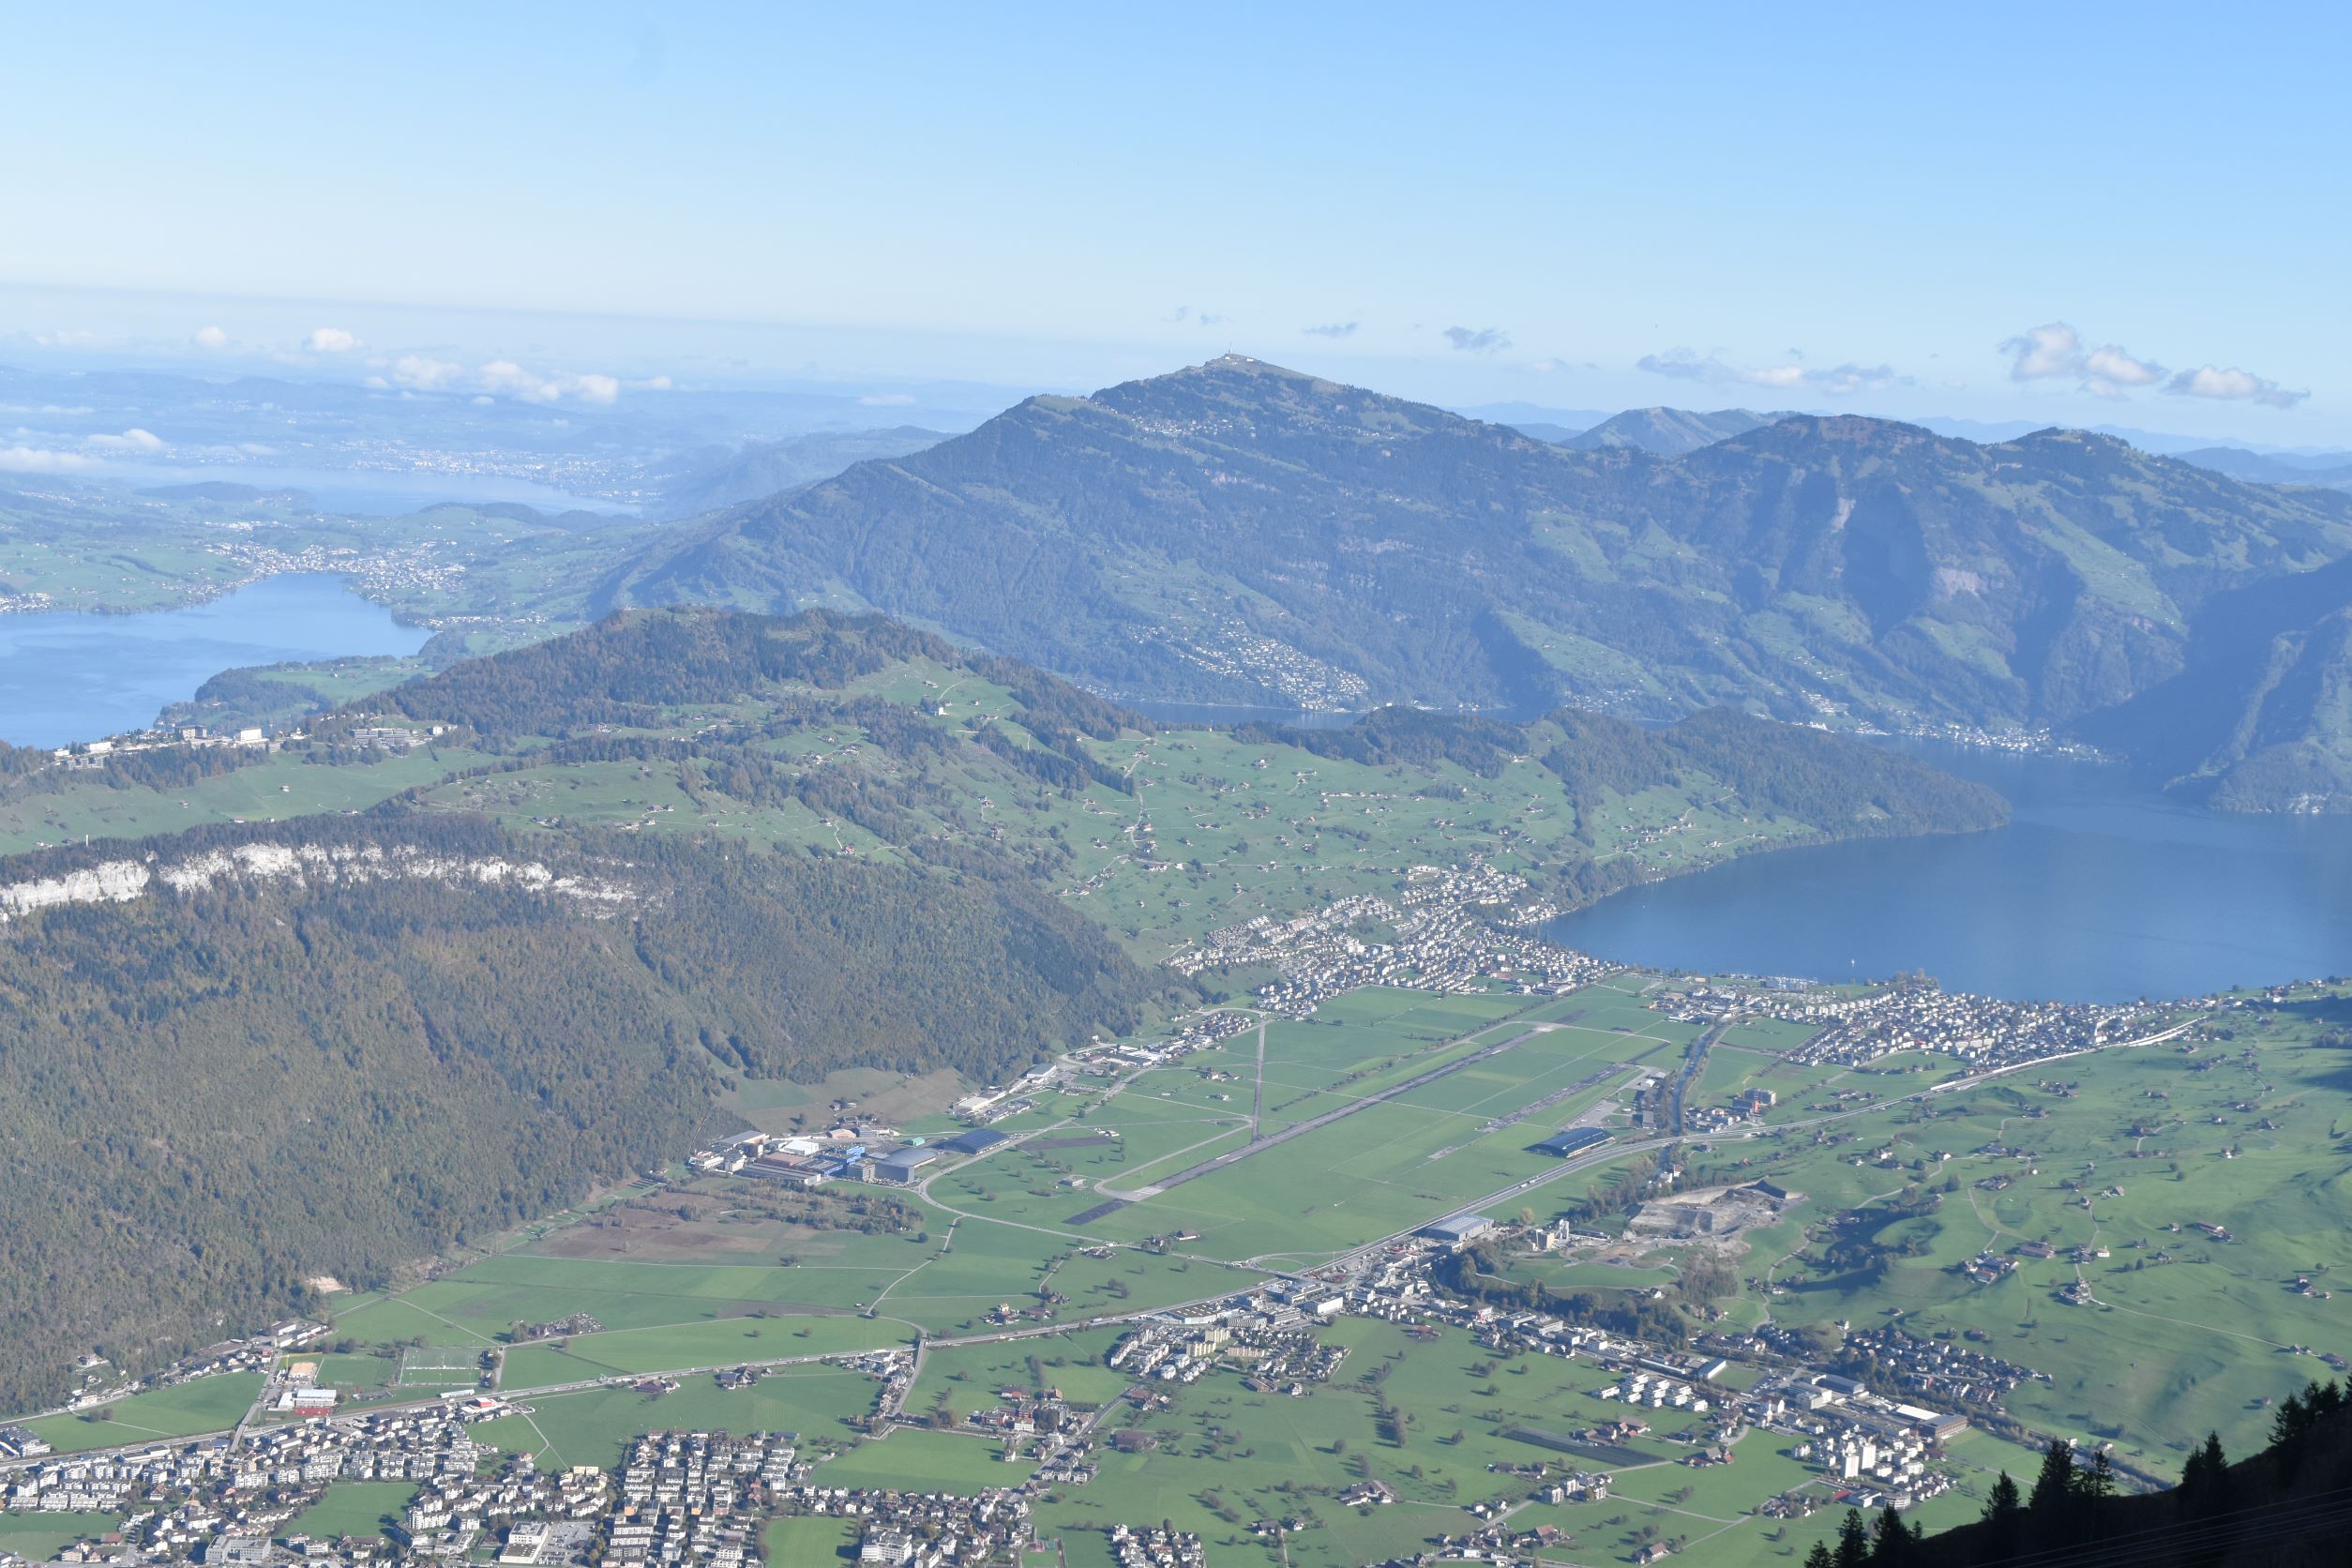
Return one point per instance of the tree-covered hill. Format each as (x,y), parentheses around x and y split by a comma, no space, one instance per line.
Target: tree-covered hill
(213,1097)
(1240,532)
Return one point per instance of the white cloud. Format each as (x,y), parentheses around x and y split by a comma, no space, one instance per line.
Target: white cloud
(2055,352)
(2118,368)
(505,376)
(209,338)
(1836,381)
(1683,365)
(2043,352)
(654,384)
(1332,329)
(133,439)
(1482,339)
(424,374)
(2234,385)
(34,460)
(330,339)
(887,400)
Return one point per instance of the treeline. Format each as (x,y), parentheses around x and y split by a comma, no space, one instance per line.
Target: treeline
(632,665)
(1472,1273)
(212,1097)
(2283,1508)
(1058,762)
(1404,736)
(1786,770)
(1827,779)
(27,770)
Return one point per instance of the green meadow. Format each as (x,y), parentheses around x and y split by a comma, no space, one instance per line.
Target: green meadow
(203,1405)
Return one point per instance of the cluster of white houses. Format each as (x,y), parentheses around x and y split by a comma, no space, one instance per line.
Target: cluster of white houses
(1451,929)
(841,1156)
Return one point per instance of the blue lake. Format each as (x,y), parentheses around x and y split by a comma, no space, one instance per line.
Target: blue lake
(2098,890)
(72,676)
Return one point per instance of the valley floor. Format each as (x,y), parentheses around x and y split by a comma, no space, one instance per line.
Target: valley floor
(2132,1244)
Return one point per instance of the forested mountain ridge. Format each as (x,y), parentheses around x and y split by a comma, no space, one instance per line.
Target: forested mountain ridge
(620,869)
(1239,533)
(215,1093)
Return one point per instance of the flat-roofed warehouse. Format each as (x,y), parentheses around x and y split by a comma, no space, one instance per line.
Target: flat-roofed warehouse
(898,1168)
(1457,1229)
(1573,1140)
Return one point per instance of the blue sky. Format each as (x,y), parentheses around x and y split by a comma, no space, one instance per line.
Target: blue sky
(1580,208)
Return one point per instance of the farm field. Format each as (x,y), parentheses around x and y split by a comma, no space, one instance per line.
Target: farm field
(1227,1456)
(924,1461)
(671,1346)
(285,786)
(38,1536)
(591,1426)
(967,1377)
(2123,1154)
(815,1542)
(354,1508)
(202,1405)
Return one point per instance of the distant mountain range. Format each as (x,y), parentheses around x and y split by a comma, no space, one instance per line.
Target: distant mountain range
(1670,431)
(766,468)
(1239,533)
(2333,469)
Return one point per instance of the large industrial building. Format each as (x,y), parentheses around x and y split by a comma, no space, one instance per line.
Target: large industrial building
(1456,1229)
(898,1168)
(1573,1140)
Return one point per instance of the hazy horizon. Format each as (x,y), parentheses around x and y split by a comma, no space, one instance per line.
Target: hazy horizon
(1885,215)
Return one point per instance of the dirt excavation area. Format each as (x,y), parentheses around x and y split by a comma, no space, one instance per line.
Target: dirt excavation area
(1710,1216)
(685,1228)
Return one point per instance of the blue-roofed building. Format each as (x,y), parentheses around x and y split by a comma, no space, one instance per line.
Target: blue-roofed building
(973,1142)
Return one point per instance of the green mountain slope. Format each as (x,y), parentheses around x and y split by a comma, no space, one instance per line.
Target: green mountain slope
(1240,532)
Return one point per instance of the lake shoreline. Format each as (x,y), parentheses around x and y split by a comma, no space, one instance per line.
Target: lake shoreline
(73,676)
(2100,888)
